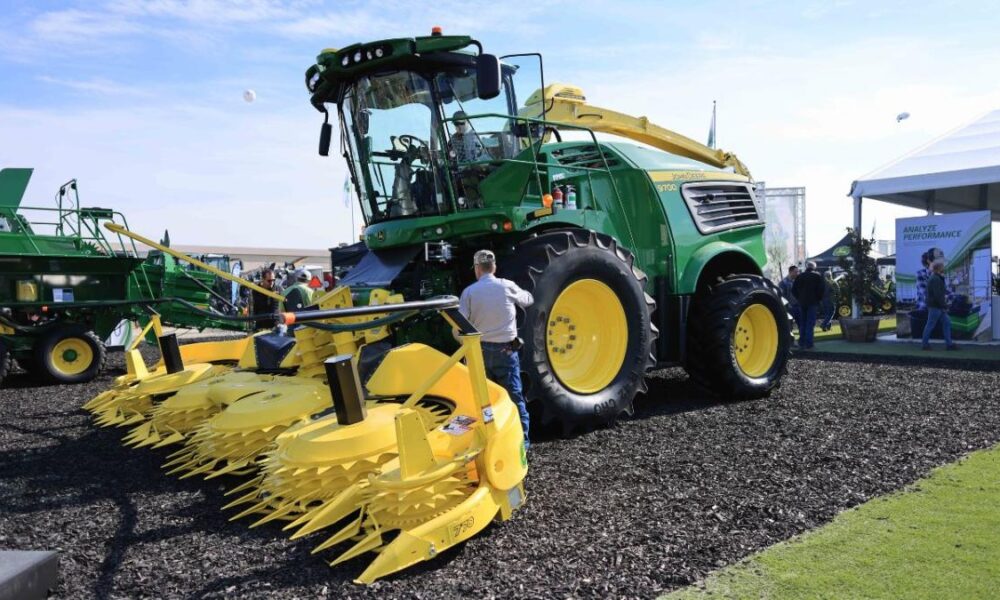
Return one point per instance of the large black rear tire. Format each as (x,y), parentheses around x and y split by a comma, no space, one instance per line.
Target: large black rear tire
(70,354)
(739,339)
(588,337)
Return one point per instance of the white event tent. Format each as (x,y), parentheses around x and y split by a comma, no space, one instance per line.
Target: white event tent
(959,171)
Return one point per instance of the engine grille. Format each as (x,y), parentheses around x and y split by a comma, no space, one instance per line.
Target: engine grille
(717,206)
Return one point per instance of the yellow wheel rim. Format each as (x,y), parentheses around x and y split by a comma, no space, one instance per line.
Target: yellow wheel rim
(72,356)
(867,309)
(587,336)
(755,340)
(887,305)
(844,311)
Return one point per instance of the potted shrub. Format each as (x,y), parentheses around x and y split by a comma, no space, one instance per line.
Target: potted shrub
(861,271)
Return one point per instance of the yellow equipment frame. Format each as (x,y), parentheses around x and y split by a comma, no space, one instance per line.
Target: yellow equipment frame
(567,104)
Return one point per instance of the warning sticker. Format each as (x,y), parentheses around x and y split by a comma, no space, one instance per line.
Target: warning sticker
(458,425)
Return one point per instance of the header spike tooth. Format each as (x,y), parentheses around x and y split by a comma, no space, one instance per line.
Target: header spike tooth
(229,468)
(369,542)
(248,497)
(171,439)
(183,467)
(245,485)
(276,514)
(333,510)
(198,471)
(391,559)
(253,509)
(350,530)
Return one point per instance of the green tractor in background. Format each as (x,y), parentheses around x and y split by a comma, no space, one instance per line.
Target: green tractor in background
(652,256)
(880,301)
(64,287)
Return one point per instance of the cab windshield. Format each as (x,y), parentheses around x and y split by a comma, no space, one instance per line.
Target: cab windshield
(411,150)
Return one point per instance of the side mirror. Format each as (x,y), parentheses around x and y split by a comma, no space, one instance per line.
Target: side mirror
(488,76)
(325,135)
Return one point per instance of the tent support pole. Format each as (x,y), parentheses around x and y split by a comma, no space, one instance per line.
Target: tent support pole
(855,303)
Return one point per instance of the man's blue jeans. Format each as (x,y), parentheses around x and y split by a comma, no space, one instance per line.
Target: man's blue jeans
(807,325)
(933,316)
(827,313)
(503,366)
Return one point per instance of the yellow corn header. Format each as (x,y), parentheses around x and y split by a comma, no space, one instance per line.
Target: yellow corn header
(404,465)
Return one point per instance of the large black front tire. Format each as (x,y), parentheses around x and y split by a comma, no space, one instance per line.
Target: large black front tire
(547,266)
(715,338)
(82,360)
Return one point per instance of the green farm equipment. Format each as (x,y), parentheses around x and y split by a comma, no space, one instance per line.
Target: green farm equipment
(652,258)
(880,300)
(64,287)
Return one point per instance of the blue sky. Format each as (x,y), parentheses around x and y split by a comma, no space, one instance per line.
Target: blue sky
(141,101)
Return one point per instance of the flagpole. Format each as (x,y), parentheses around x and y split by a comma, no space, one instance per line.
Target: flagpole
(711,129)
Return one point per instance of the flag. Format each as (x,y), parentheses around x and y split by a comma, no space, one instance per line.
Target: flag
(711,129)
(347,192)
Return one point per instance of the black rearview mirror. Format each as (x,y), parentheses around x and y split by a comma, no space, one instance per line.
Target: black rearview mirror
(325,135)
(488,76)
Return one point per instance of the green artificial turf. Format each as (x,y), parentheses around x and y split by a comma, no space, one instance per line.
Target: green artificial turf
(939,538)
(966,352)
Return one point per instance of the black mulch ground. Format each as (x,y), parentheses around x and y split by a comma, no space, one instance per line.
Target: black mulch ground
(652,504)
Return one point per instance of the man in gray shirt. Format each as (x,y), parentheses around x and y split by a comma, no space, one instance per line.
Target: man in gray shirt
(489,304)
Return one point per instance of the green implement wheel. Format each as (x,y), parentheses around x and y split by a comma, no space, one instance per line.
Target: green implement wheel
(69,355)
(738,338)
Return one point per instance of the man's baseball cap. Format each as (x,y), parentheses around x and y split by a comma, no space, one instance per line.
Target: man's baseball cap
(484,257)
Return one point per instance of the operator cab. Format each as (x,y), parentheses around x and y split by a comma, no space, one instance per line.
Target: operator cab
(421,129)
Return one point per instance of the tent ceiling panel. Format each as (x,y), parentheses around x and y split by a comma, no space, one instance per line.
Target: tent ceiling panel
(957,172)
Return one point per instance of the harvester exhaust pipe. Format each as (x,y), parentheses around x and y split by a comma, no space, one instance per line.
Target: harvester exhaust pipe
(171,353)
(345,387)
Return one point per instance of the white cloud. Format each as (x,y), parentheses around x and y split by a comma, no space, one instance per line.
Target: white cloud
(99,86)
(231,175)
(77,26)
(210,11)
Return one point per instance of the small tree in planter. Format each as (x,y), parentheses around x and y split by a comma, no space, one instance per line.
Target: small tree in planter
(861,270)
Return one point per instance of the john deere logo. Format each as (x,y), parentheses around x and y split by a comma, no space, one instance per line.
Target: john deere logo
(381,236)
(842,251)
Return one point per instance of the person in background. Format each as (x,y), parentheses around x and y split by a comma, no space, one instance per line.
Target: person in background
(830,297)
(808,290)
(937,307)
(924,274)
(489,304)
(299,295)
(464,147)
(265,307)
(786,292)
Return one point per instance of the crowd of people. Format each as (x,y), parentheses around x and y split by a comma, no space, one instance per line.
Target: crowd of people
(810,297)
(298,288)
(813,299)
